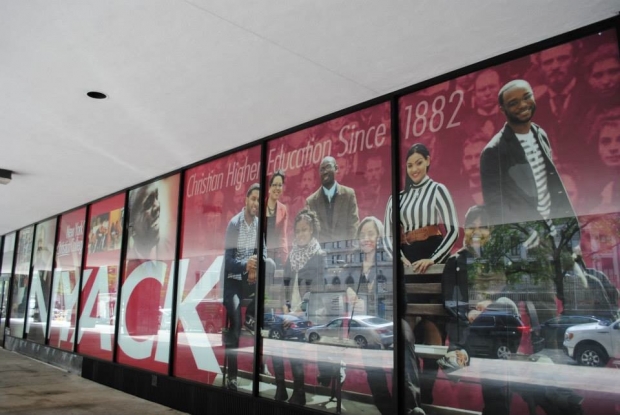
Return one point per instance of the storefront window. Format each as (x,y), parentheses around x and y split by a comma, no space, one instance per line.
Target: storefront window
(99,288)
(144,333)
(8,255)
(41,286)
(218,273)
(510,185)
(19,294)
(65,286)
(328,324)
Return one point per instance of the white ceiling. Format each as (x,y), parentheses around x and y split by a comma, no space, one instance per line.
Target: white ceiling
(189,79)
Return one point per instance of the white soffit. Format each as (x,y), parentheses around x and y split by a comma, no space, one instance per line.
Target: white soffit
(190,79)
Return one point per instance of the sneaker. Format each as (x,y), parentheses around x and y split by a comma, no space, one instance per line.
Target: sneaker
(231,384)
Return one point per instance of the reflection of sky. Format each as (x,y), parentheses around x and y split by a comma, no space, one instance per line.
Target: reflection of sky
(24,251)
(9,251)
(44,245)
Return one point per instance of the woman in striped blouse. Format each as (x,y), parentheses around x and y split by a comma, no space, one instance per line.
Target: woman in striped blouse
(424,204)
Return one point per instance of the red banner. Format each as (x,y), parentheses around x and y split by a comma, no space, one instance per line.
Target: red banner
(147,285)
(65,286)
(214,193)
(99,288)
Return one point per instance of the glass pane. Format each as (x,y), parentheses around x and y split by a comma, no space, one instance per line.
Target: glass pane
(65,286)
(19,294)
(216,293)
(99,287)
(8,255)
(144,333)
(526,153)
(328,187)
(41,286)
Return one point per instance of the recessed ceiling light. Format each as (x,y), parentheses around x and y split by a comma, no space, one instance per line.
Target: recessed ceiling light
(5,176)
(96,95)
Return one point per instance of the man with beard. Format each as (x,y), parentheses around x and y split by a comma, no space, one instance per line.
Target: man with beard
(240,272)
(148,245)
(523,192)
(334,204)
(520,183)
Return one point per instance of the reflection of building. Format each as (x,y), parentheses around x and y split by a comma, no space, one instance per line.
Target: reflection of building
(601,245)
(344,270)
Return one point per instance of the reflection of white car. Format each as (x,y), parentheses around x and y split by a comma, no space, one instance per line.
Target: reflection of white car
(360,331)
(594,343)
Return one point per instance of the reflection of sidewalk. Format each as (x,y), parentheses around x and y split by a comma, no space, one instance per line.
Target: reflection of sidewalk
(317,397)
(528,374)
(354,399)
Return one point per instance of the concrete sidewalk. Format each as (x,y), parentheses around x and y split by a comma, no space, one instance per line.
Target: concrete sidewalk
(28,386)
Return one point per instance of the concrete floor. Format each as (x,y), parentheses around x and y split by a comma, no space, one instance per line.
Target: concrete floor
(31,387)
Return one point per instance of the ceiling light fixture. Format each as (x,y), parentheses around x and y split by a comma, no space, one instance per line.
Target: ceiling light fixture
(5,176)
(96,95)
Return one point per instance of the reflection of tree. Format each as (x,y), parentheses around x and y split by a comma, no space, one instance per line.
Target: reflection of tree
(548,257)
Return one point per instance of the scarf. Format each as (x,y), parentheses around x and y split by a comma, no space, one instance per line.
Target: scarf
(298,258)
(300,255)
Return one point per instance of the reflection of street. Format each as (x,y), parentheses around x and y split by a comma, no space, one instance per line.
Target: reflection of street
(301,350)
(352,356)
(204,340)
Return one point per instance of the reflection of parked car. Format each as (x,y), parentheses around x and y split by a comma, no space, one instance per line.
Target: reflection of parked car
(594,343)
(498,334)
(285,326)
(553,330)
(360,331)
